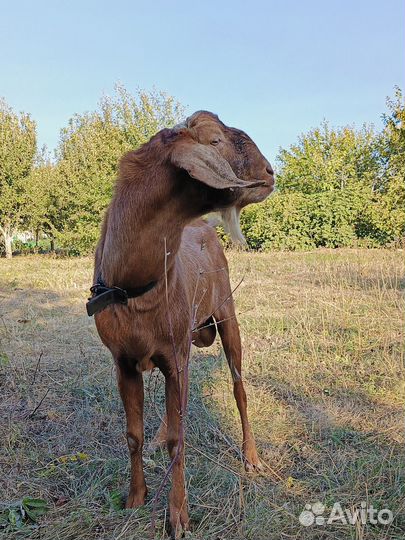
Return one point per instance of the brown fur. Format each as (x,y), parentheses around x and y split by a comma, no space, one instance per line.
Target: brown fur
(161,191)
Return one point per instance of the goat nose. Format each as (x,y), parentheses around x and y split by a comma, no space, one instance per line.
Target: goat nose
(269,170)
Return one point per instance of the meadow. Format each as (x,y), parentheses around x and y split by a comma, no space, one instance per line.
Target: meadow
(323,337)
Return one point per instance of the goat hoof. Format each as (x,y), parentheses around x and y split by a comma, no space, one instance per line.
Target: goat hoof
(254,467)
(178,532)
(253,464)
(250,458)
(179,524)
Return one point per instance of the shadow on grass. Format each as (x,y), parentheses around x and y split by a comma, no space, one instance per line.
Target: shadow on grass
(327,460)
(63,439)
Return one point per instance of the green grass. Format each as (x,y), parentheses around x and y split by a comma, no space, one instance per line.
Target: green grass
(323,336)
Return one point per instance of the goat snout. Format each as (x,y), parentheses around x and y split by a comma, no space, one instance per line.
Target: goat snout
(270,181)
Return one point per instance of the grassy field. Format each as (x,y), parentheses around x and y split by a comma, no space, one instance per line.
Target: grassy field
(323,341)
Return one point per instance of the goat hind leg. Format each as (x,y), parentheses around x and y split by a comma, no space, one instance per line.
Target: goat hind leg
(229,331)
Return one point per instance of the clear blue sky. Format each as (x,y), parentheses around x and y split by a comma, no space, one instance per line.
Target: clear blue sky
(273,68)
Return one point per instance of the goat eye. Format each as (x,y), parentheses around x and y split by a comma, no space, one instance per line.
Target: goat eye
(214,142)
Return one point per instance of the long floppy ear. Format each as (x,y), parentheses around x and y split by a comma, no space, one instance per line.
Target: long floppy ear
(204,163)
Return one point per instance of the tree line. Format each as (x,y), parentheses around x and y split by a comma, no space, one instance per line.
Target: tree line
(335,186)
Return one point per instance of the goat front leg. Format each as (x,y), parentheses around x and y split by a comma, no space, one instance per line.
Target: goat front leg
(229,331)
(179,520)
(130,384)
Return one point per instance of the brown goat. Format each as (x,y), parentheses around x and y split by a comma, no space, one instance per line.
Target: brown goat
(152,236)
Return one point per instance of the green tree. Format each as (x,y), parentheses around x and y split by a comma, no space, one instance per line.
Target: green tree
(326,159)
(17,152)
(383,217)
(88,154)
(44,197)
(393,136)
(336,187)
(393,150)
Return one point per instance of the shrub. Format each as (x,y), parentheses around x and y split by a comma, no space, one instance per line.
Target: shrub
(337,218)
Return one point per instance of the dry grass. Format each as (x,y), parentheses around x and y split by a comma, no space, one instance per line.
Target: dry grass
(323,342)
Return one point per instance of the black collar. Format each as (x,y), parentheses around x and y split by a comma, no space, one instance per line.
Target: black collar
(102,296)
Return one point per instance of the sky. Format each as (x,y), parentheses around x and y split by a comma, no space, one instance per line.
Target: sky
(272,68)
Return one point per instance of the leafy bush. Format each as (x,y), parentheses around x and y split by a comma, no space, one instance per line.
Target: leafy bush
(337,188)
(30,246)
(338,218)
